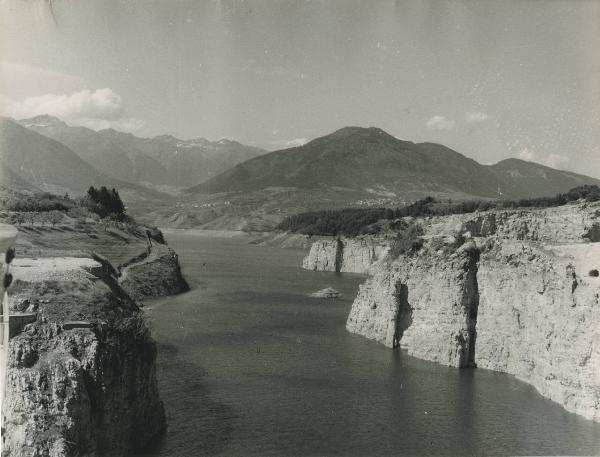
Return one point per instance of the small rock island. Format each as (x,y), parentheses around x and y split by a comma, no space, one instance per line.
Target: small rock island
(328,292)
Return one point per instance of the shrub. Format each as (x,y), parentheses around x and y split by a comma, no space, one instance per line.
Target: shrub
(407,241)
(40,202)
(79,212)
(594,273)
(54,217)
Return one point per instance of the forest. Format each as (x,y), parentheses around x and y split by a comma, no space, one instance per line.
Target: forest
(359,221)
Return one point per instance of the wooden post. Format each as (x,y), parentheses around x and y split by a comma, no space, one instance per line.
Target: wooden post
(8,234)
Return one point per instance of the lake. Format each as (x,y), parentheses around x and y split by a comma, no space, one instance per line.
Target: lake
(249,364)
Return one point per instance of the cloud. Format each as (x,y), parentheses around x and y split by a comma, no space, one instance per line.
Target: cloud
(551,160)
(295,142)
(526,154)
(556,160)
(99,109)
(440,123)
(476,116)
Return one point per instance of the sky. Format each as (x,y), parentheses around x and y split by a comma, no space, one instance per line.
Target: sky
(490,79)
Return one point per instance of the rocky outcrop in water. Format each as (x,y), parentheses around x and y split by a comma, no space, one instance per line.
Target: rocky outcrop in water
(345,254)
(520,297)
(154,275)
(328,292)
(424,304)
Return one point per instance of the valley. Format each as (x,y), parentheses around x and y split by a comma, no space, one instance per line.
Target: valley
(225,185)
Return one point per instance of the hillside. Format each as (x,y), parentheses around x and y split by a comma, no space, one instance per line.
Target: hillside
(160,161)
(370,160)
(9,180)
(33,162)
(353,167)
(43,162)
(522,179)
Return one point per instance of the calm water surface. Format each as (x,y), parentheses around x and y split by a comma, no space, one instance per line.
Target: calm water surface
(248,364)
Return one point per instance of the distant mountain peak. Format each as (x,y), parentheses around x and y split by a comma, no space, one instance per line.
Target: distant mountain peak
(227,142)
(43,120)
(356,135)
(167,137)
(162,160)
(114,132)
(353,130)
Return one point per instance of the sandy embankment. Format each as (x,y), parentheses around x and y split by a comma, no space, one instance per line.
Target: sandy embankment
(51,269)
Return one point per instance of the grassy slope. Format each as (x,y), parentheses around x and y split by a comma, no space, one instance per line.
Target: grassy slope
(73,239)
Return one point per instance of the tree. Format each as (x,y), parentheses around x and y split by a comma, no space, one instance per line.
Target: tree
(54,217)
(93,194)
(117,204)
(105,203)
(29,217)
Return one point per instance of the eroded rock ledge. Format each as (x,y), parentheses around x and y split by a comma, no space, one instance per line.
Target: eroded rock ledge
(345,254)
(156,275)
(82,378)
(516,297)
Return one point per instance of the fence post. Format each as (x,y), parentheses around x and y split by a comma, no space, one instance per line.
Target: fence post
(8,235)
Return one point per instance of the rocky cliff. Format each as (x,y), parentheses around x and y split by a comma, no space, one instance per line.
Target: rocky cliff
(82,378)
(511,291)
(424,304)
(154,275)
(345,254)
(569,223)
(539,316)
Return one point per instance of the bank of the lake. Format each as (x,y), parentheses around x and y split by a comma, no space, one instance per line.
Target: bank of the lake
(249,364)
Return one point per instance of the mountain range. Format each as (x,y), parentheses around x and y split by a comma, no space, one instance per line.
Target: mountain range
(371,160)
(357,167)
(160,161)
(33,162)
(225,184)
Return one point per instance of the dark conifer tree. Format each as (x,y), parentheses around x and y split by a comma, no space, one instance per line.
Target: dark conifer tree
(117,204)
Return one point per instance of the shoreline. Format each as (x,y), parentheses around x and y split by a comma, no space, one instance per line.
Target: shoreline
(283,240)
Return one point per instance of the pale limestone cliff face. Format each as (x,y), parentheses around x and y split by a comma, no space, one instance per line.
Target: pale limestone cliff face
(526,305)
(323,256)
(539,319)
(346,255)
(577,222)
(424,304)
(81,391)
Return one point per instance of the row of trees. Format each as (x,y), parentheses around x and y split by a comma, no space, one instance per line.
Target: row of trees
(34,217)
(357,221)
(105,202)
(101,201)
(47,209)
(41,202)
(347,221)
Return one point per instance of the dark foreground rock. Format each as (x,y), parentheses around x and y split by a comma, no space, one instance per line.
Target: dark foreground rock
(77,390)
